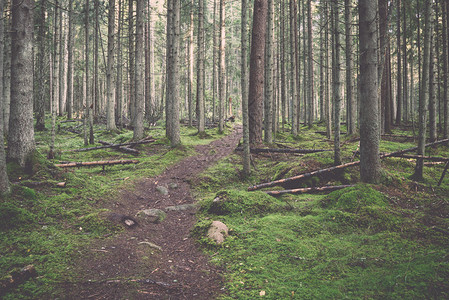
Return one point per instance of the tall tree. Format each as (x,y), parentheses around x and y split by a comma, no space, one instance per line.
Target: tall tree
(445,19)
(222,68)
(110,110)
(200,115)
(89,104)
(294,68)
(131,63)
(140,74)
(21,144)
(283,68)
(268,137)
(424,90)
(4,181)
(399,98)
(244,83)
(70,62)
(310,82)
(350,97)
(40,72)
(96,87)
(336,83)
(119,82)
(191,62)
(369,106)
(256,71)
(172,102)
(60,77)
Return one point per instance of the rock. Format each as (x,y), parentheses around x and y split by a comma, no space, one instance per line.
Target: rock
(162,189)
(173,185)
(181,207)
(153,215)
(151,245)
(218,231)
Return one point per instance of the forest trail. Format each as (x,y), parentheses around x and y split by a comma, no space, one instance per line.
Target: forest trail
(129,266)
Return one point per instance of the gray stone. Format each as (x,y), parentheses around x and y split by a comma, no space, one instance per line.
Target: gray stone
(182,207)
(153,215)
(162,189)
(218,231)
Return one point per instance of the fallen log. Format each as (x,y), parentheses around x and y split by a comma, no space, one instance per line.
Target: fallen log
(325,133)
(302,176)
(111,146)
(96,163)
(284,150)
(431,158)
(121,148)
(331,169)
(328,188)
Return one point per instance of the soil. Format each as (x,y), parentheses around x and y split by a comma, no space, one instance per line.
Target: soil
(129,265)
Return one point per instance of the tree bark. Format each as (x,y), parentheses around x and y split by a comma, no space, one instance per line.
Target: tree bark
(424,90)
(399,70)
(190,69)
(21,144)
(283,70)
(110,110)
(69,97)
(350,97)
(40,72)
(336,85)
(4,181)
(256,72)
(140,74)
(172,102)
(294,69)
(244,83)
(268,90)
(369,109)
(310,82)
(222,68)
(200,115)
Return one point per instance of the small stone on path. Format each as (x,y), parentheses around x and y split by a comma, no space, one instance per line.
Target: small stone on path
(218,231)
(180,207)
(162,189)
(153,215)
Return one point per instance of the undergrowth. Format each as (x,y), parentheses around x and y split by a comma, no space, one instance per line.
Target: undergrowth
(388,241)
(45,225)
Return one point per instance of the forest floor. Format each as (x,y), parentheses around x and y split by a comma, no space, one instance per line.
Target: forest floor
(130,265)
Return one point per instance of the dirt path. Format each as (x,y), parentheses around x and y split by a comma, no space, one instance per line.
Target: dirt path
(130,267)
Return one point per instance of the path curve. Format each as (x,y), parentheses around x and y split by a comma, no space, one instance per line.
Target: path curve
(128,267)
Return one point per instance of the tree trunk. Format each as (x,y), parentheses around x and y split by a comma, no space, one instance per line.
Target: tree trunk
(328,103)
(119,83)
(140,74)
(268,90)
(172,102)
(256,71)
(89,104)
(424,90)
(222,68)
(190,69)
(310,82)
(399,64)
(432,97)
(294,69)
(4,181)
(21,144)
(336,85)
(405,68)
(244,79)
(200,115)
(40,72)
(55,82)
(350,97)
(110,110)
(445,69)
(69,97)
(6,72)
(283,70)
(131,63)
(61,62)
(369,109)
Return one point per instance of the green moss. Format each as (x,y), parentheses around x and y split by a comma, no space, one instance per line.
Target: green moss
(238,202)
(94,223)
(352,199)
(12,216)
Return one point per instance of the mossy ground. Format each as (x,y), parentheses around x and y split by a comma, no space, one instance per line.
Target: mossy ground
(45,225)
(385,242)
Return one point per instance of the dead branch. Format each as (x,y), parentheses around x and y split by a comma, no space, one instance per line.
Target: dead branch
(431,158)
(302,176)
(121,148)
(96,163)
(111,146)
(328,188)
(285,150)
(443,174)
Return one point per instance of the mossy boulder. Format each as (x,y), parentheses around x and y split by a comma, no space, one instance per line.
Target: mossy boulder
(238,202)
(353,199)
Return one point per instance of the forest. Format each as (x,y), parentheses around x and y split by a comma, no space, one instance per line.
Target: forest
(279,149)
